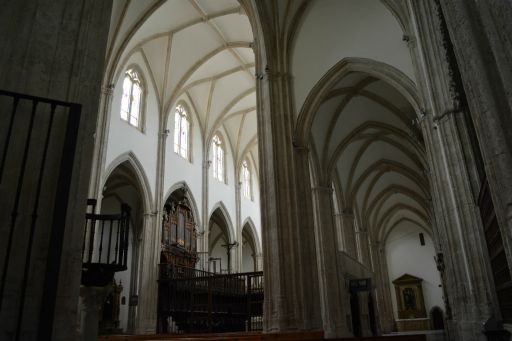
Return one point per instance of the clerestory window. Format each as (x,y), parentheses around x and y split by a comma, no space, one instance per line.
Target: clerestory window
(218,159)
(131,102)
(181,132)
(246,180)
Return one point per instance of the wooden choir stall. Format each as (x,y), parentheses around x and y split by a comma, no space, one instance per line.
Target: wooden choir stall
(191,300)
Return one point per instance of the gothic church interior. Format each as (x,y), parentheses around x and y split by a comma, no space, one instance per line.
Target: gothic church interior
(333,167)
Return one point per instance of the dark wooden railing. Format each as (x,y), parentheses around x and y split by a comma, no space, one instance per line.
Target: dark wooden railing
(200,301)
(37,146)
(105,245)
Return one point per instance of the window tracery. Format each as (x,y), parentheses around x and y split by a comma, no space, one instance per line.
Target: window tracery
(131,102)
(181,132)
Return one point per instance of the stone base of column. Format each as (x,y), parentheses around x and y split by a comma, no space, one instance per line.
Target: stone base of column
(91,299)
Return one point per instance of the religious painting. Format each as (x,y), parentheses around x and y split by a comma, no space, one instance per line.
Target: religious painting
(409,297)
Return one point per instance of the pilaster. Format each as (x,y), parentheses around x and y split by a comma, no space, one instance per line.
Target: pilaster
(348,230)
(148,285)
(331,281)
(480,32)
(204,212)
(458,232)
(91,299)
(238,227)
(52,49)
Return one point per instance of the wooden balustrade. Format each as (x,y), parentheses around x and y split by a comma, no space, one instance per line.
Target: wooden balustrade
(105,245)
(200,301)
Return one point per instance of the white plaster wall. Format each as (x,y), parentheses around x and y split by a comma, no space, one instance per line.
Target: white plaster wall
(220,192)
(178,169)
(247,258)
(336,29)
(404,254)
(250,209)
(217,250)
(123,137)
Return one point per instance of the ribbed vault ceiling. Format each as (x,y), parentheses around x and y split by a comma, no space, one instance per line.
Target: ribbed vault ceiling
(198,51)
(364,135)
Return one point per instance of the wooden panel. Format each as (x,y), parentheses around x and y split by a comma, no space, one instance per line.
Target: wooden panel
(497,256)
(254,336)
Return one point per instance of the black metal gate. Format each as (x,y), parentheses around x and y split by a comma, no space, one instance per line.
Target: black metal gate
(37,146)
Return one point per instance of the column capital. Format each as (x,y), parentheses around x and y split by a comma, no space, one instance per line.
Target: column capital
(456,109)
(410,40)
(322,189)
(108,89)
(300,148)
(347,213)
(272,75)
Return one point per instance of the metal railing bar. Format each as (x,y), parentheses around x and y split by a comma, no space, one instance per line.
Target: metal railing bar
(45,328)
(8,136)
(101,239)
(14,213)
(38,99)
(34,219)
(109,244)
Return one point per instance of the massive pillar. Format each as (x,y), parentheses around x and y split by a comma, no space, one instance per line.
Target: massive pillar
(291,294)
(148,290)
(453,174)
(53,49)
(290,266)
(332,283)
(481,34)
(381,283)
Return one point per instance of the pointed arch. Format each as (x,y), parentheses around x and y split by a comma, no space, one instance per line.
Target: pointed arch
(227,218)
(190,197)
(387,73)
(251,227)
(139,171)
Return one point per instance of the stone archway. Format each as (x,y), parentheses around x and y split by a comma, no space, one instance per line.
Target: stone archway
(124,186)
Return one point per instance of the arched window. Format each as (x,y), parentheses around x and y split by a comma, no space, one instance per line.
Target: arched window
(181,132)
(218,158)
(245,175)
(131,103)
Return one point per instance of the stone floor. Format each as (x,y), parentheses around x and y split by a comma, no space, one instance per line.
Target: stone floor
(431,335)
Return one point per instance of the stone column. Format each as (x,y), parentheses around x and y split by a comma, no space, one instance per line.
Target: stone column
(238,227)
(152,244)
(52,49)
(259,261)
(204,212)
(383,302)
(148,287)
(453,173)
(92,299)
(100,144)
(362,237)
(291,287)
(480,32)
(331,281)
(348,229)
(461,237)
(339,231)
